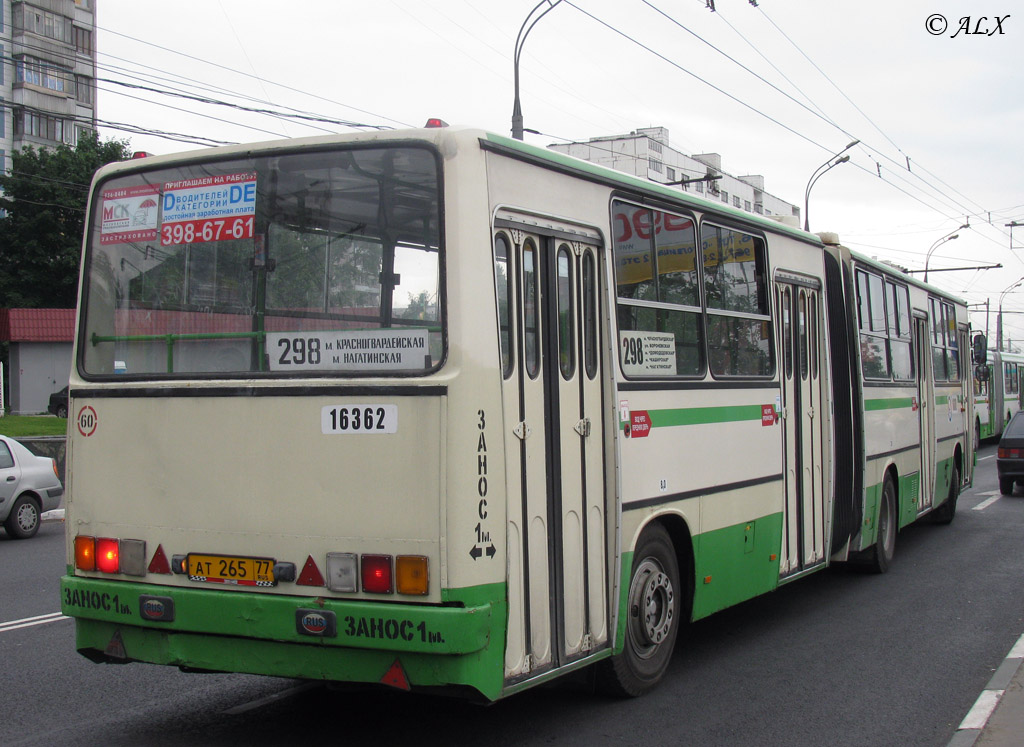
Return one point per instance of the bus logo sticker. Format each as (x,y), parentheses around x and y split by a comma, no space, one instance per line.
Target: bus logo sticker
(768,415)
(319,623)
(87,421)
(156,609)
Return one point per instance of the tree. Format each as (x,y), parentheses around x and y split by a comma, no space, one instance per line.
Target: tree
(44,196)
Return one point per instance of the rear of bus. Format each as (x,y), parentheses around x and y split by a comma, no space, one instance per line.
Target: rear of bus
(257,457)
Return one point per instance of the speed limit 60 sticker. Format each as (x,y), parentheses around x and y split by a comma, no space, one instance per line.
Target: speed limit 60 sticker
(359,419)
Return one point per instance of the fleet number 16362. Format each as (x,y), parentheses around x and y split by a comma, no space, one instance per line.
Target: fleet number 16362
(363,418)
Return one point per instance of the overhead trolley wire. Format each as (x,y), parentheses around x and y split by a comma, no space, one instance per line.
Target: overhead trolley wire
(249,75)
(872,122)
(743,103)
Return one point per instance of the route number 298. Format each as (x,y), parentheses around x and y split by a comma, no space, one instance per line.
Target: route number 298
(359,419)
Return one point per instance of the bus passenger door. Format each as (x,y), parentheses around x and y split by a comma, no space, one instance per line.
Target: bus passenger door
(554,458)
(804,511)
(925,407)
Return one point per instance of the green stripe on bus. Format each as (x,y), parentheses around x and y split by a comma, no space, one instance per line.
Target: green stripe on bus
(894,403)
(702,415)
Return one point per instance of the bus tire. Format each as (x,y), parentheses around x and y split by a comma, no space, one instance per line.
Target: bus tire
(977,435)
(944,514)
(653,618)
(881,553)
(1006,485)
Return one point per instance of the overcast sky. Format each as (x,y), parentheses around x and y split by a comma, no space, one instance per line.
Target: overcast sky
(820,75)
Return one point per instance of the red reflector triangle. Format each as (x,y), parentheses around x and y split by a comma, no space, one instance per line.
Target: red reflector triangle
(115,648)
(310,575)
(159,562)
(395,677)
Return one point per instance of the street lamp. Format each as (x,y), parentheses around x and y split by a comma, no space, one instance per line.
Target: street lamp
(935,246)
(831,163)
(517,111)
(999,316)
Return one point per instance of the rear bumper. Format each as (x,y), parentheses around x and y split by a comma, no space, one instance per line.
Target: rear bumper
(312,638)
(1011,468)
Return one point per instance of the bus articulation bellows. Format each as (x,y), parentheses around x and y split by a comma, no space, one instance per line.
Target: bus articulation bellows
(438,409)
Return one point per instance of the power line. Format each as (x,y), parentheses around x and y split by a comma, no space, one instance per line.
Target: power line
(249,75)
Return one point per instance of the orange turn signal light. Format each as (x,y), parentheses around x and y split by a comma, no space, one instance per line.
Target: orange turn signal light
(85,553)
(411,574)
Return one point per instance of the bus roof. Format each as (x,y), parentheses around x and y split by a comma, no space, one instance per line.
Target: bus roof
(513,148)
(489,141)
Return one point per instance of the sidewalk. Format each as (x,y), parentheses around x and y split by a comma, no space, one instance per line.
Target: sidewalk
(997,718)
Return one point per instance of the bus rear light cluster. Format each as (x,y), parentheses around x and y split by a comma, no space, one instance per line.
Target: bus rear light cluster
(347,572)
(377,574)
(110,555)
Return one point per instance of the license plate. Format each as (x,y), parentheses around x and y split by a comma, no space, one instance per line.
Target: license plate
(230,569)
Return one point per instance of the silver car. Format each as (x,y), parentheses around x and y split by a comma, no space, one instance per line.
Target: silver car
(29,485)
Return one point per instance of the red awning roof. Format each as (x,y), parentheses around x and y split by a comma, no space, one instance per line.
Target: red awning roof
(37,325)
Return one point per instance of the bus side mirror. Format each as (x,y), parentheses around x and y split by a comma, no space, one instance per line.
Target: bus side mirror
(981,373)
(980,349)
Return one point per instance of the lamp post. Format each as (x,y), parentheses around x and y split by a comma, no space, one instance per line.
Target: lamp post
(517,110)
(999,315)
(928,256)
(948,237)
(831,163)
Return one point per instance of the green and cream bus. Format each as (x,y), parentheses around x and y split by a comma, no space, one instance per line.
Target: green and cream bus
(997,393)
(439,409)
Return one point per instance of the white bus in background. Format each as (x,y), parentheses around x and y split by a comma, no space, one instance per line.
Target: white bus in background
(440,409)
(997,393)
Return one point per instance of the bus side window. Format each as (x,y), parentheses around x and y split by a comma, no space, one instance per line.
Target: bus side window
(874,357)
(589,314)
(503,287)
(658,293)
(531,299)
(736,296)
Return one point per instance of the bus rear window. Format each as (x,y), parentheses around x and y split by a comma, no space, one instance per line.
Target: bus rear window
(307,263)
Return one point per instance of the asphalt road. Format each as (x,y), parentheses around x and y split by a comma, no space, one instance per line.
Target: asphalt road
(839,658)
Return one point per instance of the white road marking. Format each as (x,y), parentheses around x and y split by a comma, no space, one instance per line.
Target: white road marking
(28,622)
(291,691)
(982,459)
(986,503)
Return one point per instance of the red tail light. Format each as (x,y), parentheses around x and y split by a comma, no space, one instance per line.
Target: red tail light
(1004,453)
(377,574)
(108,556)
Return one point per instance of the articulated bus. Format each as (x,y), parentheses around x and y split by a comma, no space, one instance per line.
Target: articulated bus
(439,409)
(997,393)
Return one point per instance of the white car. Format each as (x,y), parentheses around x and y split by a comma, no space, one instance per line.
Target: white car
(29,485)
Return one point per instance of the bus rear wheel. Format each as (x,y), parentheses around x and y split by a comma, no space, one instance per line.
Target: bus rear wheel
(653,618)
(880,555)
(944,514)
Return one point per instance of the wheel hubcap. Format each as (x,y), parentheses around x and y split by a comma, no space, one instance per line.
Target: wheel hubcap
(27,518)
(652,607)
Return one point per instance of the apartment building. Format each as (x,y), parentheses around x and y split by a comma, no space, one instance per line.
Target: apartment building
(646,153)
(47,80)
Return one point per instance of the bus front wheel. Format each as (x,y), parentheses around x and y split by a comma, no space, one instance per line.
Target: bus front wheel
(653,617)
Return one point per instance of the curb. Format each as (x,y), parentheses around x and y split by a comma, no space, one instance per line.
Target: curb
(976,720)
(56,515)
